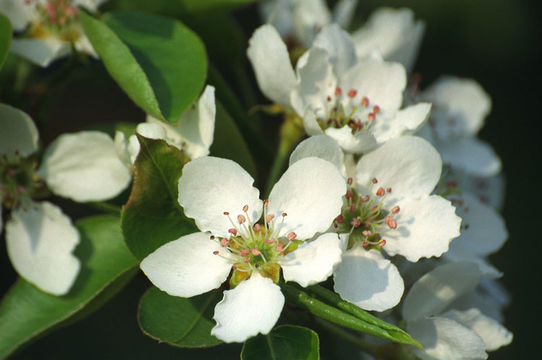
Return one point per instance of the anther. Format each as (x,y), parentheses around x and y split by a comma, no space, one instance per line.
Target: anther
(245,208)
(284,214)
(365,101)
(395,209)
(291,236)
(366,233)
(371,117)
(280,246)
(365,244)
(374,180)
(376,109)
(381,243)
(392,224)
(349,194)
(255,252)
(266,202)
(244,252)
(338,91)
(269,218)
(226,213)
(352,208)
(352,93)
(241,219)
(224,242)
(233,231)
(349,181)
(380,191)
(270,241)
(339,219)
(355,222)
(257,228)
(388,189)
(215,252)
(364,199)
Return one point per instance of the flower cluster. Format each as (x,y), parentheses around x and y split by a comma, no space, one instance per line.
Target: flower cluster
(389,199)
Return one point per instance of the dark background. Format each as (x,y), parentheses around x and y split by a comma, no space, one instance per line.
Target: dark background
(493,41)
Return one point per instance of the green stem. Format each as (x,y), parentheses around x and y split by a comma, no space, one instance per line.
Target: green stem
(110,208)
(277,168)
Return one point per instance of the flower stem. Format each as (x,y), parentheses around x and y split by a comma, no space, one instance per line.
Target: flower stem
(356,340)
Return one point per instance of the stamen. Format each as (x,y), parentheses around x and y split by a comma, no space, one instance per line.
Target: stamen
(365,101)
(395,209)
(241,219)
(352,93)
(380,191)
(374,180)
(338,91)
(291,236)
(392,224)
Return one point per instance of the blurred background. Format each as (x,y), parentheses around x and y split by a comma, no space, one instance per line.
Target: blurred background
(493,42)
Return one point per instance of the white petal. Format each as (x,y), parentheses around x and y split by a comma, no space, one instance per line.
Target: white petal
(316,81)
(339,46)
(320,146)
(277,13)
(19,133)
(408,164)
(461,106)
(445,339)
(310,193)
(358,143)
(253,307)
(312,262)
(19,13)
(368,280)
(489,190)
(90,5)
(307,17)
(40,51)
(271,63)
(343,12)
(210,186)
(83,45)
(471,155)
(382,82)
(492,333)
(393,33)
(197,125)
(437,289)
(40,242)
(483,231)
(426,226)
(84,166)
(151,130)
(187,266)
(310,123)
(121,145)
(406,121)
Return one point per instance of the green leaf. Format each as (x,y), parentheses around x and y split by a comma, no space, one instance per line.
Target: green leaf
(5,38)
(285,342)
(171,55)
(152,216)
(337,316)
(107,265)
(182,322)
(193,6)
(121,64)
(228,141)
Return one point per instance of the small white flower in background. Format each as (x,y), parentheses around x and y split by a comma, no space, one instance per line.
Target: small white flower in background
(47,29)
(460,107)
(219,195)
(82,166)
(193,133)
(298,21)
(393,33)
(357,102)
(387,207)
(444,331)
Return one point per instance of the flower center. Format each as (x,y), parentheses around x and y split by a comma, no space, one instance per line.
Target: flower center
(348,109)
(365,218)
(56,17)
(256,247)
(18,180)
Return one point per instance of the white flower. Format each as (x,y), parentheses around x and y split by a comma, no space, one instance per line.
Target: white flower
(82,166)
(47,28)
(447,333)
(388,208)
(193,133)
(459,110)
(393,33)
(219,195)
(298,21)
(356,102)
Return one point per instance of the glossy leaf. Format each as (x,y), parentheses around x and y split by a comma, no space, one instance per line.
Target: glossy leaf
(228,141)
(121,64)
(193,6)
(285,342)
(107,265)
(171,55)
(183,322)
(6,33)
(152,216)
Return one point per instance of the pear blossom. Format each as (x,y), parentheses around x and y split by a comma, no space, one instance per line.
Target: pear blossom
(388,207)
(356,102)
(393,33)
(46,30)
(218,194)
(193,133)
(298,21)
(445,332)
(81,166)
